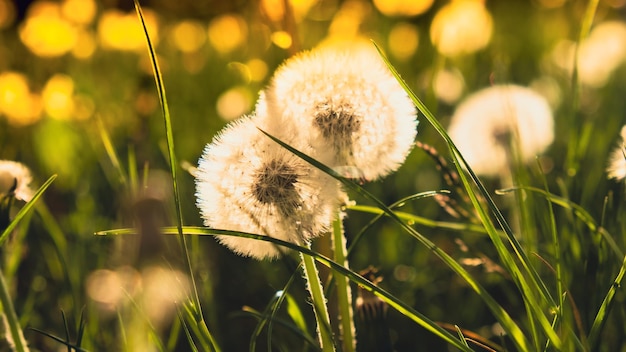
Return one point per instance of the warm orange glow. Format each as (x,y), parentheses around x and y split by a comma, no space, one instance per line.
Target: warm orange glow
(403,40)
(273,9)
(227,32)
(45,32)
(347,21)
(258,69)
(281,39)
(189,36)
(85,44)
(461,27)
(403,7)
(7,13)
(122,31)
(17,103)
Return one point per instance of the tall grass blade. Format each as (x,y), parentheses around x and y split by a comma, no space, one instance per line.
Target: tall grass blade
(605,308)
(174,171)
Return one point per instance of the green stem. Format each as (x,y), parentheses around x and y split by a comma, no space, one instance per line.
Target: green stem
(344,295)
(9,311)
(319,302)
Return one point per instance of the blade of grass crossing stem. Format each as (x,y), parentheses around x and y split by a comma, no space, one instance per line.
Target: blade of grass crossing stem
(508,261)
(173,168)
(393,301)
(506,321)
(318,300)
(25,209)
(605,308)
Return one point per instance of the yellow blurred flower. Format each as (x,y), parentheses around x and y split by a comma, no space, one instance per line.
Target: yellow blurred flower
(79,11)
(234,103)
(85,44)
(122,31)
(403,40)
(347,21)
(403,7)
(57,97)
(17,103)
(189,36)
(45,32)
(227,32)
(461,27)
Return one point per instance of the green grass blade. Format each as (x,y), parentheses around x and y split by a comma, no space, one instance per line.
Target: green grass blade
(517,272)
(173,169)
(25,209)
(605,308)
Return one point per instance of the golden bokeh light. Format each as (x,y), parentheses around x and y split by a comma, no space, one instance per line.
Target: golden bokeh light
(461,27)
(79,11)
(85,44)
(403,40)
(281,39)
(258,69)
(58,97)
(122,31)
(403,7)
(234,102)
(189,36)
(45,32)
(18,105)
(448,85)
(227,32)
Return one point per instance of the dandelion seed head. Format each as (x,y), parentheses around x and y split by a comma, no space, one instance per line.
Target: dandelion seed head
(617,160)
(484,126)
(347,105)
(15,178)
(247,182)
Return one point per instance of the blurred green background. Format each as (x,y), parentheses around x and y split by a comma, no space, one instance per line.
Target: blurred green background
(76,88)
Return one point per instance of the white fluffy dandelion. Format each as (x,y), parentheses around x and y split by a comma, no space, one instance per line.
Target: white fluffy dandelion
(247,182)
(617,161)
(347,105)
(15,178)
(488,123)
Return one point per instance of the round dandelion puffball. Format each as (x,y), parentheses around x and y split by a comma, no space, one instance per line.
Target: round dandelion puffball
(16,178)
(347,105)
(489,122)
(247,182)
(617,161)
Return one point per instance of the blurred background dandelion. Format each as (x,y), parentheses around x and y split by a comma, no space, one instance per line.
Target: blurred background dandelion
(77,99)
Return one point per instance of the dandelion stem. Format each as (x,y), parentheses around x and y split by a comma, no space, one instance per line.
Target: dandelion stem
(319,302)
(9,311)
(344,295)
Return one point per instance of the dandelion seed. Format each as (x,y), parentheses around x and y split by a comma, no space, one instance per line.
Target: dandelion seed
(247,182)
(617,161)
(15,180)
(487,124)
(347,106)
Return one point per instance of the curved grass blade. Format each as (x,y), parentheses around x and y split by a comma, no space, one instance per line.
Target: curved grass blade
(605,308)
(25,209)
(516,272)
(393,301)
(173,169)
(59,340)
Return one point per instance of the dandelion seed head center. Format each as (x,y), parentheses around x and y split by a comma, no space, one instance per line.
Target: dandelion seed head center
(274,183)
(337,122)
